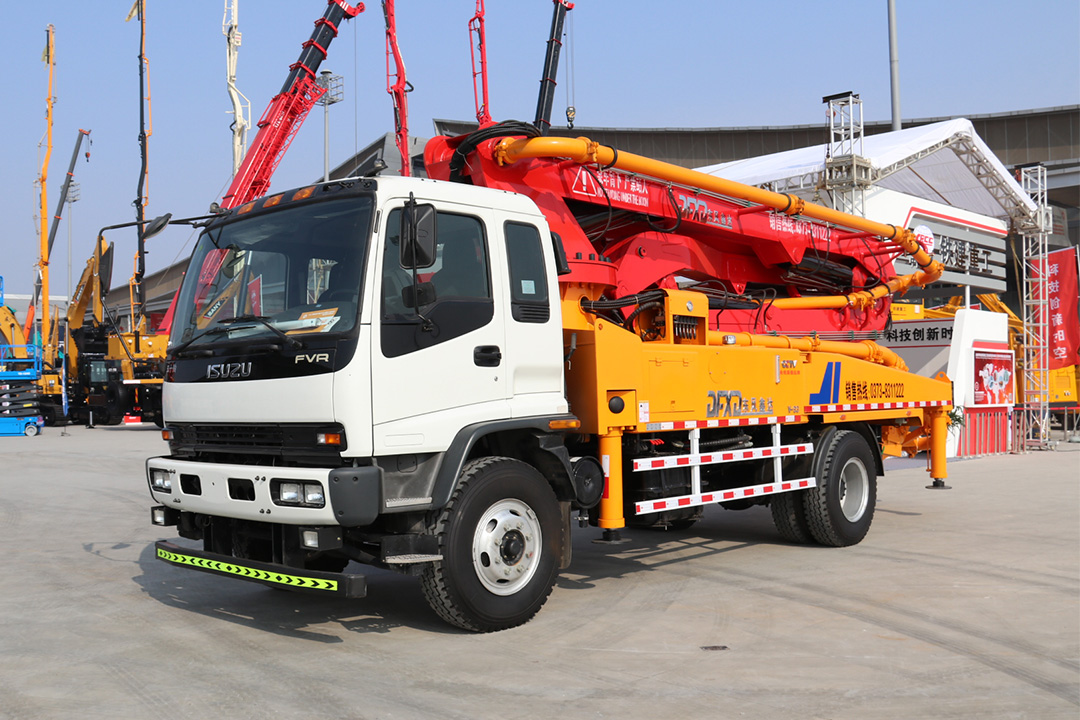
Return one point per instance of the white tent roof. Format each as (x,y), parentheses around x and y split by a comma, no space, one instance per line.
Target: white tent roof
(943,162)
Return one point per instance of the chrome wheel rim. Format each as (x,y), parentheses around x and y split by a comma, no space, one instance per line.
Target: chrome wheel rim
(506,547)
(854,489)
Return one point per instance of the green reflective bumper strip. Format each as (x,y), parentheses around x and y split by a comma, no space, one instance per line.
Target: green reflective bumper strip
(248,573)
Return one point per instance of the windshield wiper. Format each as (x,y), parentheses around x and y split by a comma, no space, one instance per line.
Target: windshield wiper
(215,330)
(224,326)
(293,342)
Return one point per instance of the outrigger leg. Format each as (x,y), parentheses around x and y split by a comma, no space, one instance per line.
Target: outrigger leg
(939,429)
(611,504)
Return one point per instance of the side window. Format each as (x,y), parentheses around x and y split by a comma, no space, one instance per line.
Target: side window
(448,299)
(528,279)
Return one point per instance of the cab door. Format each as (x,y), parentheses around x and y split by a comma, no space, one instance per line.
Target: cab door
(438,334)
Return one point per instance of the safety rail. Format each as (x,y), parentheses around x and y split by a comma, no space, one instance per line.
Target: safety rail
(20,362)
(696,459)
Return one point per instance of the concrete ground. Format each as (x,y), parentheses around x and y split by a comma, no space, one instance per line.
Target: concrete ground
(958,604)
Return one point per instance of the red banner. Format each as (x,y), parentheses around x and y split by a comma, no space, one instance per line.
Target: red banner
(1062,297)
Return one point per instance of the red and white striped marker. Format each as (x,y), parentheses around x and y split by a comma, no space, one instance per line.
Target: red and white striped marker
(719,496)
(875,406)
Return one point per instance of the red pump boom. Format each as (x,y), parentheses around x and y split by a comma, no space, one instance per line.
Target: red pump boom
(286,112)
(282,118)
(480,94)
(397,86)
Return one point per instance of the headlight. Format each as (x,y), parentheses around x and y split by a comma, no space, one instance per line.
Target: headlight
(161,480)
(290,492)
(297,493)
(313,494)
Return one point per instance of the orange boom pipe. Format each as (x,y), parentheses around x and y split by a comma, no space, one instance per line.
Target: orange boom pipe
(584,151)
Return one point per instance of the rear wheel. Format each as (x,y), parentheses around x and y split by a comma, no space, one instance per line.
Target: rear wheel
(789,516)
(840,509)
(500,537)
(788,508)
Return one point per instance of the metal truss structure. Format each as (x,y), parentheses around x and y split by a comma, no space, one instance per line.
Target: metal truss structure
(1036,401)
(847,172)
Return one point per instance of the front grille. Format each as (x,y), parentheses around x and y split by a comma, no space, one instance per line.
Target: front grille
(281,444)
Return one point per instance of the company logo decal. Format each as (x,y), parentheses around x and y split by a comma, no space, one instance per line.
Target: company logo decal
(226,371)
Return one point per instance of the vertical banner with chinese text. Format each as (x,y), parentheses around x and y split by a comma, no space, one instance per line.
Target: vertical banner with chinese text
(1062,295)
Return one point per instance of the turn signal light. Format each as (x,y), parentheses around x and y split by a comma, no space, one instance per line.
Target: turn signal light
(328,438)
(572,424)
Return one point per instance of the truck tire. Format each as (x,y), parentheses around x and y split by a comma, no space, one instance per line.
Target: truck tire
(788,511)
(789,516)
(500,538)
(840,509)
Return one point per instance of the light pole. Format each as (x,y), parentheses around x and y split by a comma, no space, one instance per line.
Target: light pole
(334,93)
(894,67)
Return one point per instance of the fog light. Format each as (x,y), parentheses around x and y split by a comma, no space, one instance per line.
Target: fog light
(320,538)
(161,480)
(313,494)
(290,492)
(164,516)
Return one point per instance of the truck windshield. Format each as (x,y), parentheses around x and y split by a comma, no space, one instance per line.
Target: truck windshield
(283,275)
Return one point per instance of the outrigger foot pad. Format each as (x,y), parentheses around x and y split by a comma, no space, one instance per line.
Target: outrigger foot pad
(939,485)
(611,537)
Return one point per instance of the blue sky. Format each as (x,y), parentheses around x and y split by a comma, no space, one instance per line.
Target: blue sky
(632,63)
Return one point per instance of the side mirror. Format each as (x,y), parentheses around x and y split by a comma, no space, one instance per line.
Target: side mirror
(562,267)
(418,233)
(156,225)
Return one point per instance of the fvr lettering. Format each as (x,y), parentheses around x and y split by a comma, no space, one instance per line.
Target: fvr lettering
(314,358)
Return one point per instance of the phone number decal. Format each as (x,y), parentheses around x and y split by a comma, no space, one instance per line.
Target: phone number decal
(861,390)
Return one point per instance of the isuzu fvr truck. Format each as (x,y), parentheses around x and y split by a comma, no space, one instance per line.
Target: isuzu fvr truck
(440,375)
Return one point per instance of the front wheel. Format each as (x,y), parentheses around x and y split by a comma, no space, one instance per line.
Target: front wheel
(840,509)
(500,537)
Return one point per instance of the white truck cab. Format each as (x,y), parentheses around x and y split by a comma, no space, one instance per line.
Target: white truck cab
(341,356)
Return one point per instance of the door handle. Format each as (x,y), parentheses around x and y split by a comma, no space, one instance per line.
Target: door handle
(487,355)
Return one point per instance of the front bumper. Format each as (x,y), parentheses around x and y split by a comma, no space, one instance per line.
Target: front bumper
(353,495)
(317,582)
